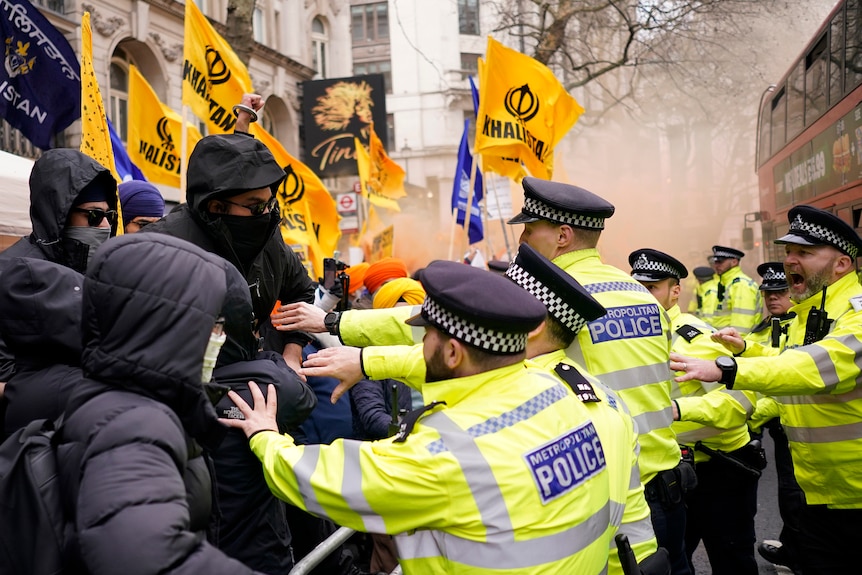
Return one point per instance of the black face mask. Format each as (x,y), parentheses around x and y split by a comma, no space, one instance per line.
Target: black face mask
(248,234)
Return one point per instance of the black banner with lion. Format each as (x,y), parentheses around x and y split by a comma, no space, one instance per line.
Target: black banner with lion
(334,111)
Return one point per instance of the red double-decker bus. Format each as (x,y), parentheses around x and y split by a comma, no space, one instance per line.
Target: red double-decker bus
(809,148)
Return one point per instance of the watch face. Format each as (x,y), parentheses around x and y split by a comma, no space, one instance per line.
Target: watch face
(725,362)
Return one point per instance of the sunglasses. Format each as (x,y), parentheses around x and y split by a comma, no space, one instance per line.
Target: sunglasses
(96,215)
(256,209)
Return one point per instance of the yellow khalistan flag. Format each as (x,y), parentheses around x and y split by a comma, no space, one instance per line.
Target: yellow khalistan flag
(382,180)
(524,111)
(154,139)
(508,167)
(214,78)
(95,137)
(308,213)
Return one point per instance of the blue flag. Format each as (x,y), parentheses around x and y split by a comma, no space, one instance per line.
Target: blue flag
(126,169)
(40,81)
(461,187)
(475,93)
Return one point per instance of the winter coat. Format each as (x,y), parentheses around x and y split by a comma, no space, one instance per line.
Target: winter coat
(134,482)
(276,274)
(371,405)
(328,421)
(40,320)
(57,178)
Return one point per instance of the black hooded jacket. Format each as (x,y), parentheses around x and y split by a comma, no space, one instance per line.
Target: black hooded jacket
(40,320)
(230,164)
(57,178)
(134,481)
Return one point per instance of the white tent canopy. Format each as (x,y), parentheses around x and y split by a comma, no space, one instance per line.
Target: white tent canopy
(15,194)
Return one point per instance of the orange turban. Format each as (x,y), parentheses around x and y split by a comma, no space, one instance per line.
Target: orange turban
(383,270)
(357,275)
(409,290)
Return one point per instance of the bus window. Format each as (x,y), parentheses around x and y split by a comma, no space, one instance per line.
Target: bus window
(836,59)
(795,100)
(764,132)
(853,54)
(815,81)
(778,121)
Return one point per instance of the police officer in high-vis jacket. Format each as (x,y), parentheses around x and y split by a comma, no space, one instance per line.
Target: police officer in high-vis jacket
(627,349)
(706,293)
(815,379)
(711,422)
(501,472)
(737,296)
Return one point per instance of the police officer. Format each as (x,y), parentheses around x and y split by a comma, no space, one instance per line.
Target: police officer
(815,380)
(627,349)
(737,296)
(706,293)
(502,471)
(711,423)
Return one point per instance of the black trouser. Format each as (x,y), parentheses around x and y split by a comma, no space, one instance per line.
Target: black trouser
(829,540)
(791,499)
(665,494)
(721,512)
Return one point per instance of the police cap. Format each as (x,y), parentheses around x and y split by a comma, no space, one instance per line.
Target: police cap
(810,226)
(499,266)
(562,204)
(566,300)
(774,278)
(703,272)
(478,307)
(724,252)
(650,265)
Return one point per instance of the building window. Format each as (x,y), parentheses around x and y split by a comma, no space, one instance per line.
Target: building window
(259,26)
(383,67)
(468,17)
(470,65)
(319,46)
(390,130)
(119,101)
(370,22)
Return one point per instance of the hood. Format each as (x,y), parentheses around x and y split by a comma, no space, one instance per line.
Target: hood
(149,305)
(241,344)
(57,178)
(40,311)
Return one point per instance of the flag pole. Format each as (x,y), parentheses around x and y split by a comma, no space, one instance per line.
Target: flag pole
(184,145)
(468,209)
(502,223)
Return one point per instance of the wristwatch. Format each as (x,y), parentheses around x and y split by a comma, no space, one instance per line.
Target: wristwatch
(330,322)
(727,365)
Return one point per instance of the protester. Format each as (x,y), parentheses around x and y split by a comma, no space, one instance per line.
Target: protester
(382,271)
(141,204)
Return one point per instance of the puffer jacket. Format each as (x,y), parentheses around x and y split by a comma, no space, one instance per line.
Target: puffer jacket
(40,319)
(135,484)
(276,274)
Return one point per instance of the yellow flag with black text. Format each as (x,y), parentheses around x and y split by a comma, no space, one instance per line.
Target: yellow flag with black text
(524,111)
(308,213)
(154,134)
(381,179)
(214,78)
(508,167)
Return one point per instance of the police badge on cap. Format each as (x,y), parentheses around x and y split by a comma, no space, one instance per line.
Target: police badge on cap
(774,278)
(810,226)
(650,265)
(562,204)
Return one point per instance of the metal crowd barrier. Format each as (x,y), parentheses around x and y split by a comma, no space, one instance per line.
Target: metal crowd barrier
(322,551)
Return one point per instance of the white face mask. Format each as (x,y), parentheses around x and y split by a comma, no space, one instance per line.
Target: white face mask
(211,355)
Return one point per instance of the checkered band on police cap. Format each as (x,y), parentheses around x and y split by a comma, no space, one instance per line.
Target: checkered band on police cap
(720,253)
(542,210)
(557,307)
(827,235)
(774,275)
(470,333)
(645,264)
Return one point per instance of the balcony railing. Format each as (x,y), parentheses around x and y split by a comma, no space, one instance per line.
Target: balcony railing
(58,6)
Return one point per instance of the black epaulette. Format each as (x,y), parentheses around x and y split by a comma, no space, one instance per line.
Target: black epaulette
(688,332)
(764,323)
(410,419)
(579,384)
(736,280)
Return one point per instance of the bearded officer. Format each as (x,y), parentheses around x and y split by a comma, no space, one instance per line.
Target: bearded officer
(737,296)
(502,471)
(815,380)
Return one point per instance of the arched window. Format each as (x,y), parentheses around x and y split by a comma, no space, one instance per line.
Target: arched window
(319,47)
(119,100)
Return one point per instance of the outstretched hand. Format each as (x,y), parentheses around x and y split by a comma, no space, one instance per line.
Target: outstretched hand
(730,339)
(343,363)
(692,368)
(258,417)
(299,316)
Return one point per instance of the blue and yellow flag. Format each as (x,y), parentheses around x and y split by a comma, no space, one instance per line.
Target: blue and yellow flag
(40,78)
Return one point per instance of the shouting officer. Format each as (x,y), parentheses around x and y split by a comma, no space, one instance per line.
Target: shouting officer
(737,296)
(502,471)
(815,380)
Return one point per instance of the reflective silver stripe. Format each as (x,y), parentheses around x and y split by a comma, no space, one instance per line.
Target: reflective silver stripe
(820,398)
(638,532)
(846,432)
(635,477)
(741,398)
(616,512)
(303,470)
(690,437)
(507,554)
(824,363)
(743,311)
(636,376)
(351,489)
(477,472)
(652,420)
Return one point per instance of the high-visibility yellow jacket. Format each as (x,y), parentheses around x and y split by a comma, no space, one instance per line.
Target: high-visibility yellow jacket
(608,413)
(707,299)
(739,307)
(820,399)
(709,412)
(628,351)
(766,407)
(509,476)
